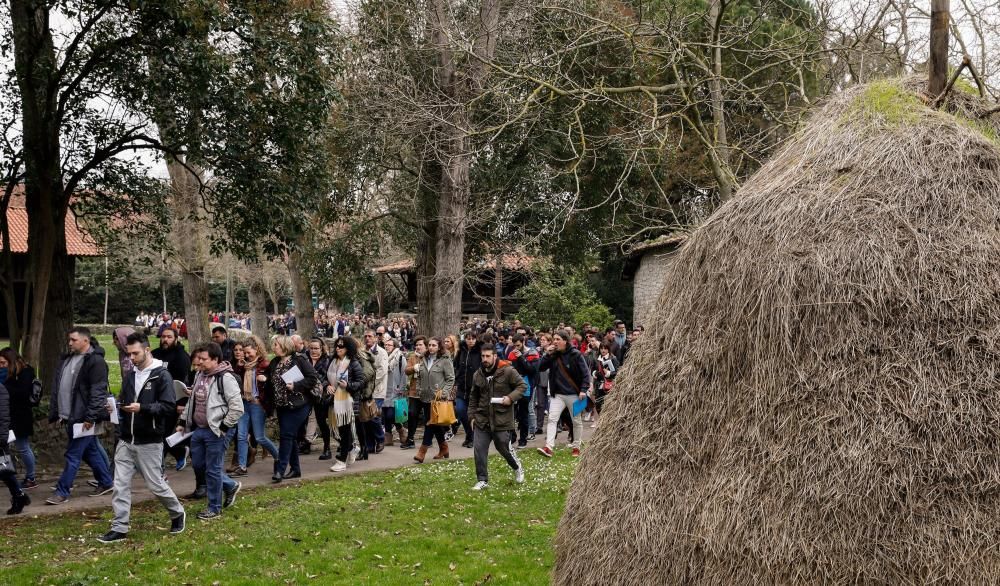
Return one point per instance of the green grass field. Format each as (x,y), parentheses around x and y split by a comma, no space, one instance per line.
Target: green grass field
(415,525)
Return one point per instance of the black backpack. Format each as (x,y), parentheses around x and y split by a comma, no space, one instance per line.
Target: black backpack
(36,392)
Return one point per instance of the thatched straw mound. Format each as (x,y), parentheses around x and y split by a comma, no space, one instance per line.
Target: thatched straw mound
(817,399)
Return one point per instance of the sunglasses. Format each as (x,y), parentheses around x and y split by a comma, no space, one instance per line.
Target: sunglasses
(339,346)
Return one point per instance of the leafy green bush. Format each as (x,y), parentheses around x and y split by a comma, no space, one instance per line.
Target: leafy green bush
(552,299)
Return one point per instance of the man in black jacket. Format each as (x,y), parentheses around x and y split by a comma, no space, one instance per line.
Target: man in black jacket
(79,398)
(146,400)
(467,363)
(171,352)
(569,382)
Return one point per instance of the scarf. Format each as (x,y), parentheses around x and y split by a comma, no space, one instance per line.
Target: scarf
(343,404)
(250,381)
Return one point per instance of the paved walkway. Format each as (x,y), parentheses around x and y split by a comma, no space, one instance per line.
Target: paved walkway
(259,475)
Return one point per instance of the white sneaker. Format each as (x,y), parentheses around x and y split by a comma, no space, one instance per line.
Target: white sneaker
(448,435)
(353,455)
(338,467)
(519,475)
(481,485)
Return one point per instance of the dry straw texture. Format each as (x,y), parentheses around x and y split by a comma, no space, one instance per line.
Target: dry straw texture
(817,400)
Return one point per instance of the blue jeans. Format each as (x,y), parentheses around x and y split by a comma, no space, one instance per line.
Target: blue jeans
(82,449)
(23,447)
(208,452)
(462,413)
(253,419)
(289,421)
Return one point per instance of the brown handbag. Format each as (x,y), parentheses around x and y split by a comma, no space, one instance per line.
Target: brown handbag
(368,410)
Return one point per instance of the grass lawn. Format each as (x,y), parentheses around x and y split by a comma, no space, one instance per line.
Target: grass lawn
(415,525)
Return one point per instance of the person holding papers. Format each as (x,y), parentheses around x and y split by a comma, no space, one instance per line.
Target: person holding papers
(215,407)
(18,498)
(145,403)
(292,379)
(79,402)
(496,387)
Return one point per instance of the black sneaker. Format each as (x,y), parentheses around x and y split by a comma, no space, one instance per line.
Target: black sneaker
(29,484)
(238,472)
(102,490)
(466,444)
(177,525)
(230,496)
(207,515)
(112,536)
(407,446)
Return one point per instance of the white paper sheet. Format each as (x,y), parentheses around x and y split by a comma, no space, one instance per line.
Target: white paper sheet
(79,431)
(114,410)
(293,376)
(497,400)
(173,440)
(10,436)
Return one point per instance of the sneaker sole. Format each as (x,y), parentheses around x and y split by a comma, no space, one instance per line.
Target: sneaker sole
(232,497)
(102,493)
(112,541)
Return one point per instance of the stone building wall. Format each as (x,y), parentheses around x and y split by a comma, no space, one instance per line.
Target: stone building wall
(648,282)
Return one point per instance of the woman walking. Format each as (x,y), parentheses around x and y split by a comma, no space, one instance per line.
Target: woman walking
(394,389)
(19,377)
(320,361)
(347,380)
(257,405)
(436,381)
(290,399)
(18,498)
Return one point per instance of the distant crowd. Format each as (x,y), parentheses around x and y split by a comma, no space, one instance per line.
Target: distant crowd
(365,384)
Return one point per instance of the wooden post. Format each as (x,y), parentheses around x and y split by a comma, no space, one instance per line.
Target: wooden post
(938,64)
(107,290)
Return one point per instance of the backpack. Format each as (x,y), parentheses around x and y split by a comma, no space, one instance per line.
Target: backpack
(368,366)
(36,392)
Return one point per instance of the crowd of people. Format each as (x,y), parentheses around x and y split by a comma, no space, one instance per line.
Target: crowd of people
(365,385)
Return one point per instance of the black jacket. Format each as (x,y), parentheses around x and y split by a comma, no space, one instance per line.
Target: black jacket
(156,405)
(177,360)
(22,415)
(466,364)
(90,392)
(575,365)
(4,418)
(300,393)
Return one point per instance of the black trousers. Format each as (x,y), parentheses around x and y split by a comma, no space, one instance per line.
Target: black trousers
(346,433)
(503,441)
(322,424)
(419,412)
(521,413)
(9,477)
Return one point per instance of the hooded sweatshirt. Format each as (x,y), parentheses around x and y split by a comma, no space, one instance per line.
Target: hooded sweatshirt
(221,400)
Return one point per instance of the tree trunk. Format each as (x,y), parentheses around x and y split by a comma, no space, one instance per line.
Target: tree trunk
(258,302)
(50,268)
(190,223)
(425,268)
(938,66)
(449,274)
(305,325)
(721,158)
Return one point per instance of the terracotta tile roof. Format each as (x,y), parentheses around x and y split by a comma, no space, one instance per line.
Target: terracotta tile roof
(78,243)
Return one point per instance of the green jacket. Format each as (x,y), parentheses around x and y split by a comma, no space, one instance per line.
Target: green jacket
(441,376)
(504,382)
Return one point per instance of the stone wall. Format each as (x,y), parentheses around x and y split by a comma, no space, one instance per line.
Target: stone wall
(648,282)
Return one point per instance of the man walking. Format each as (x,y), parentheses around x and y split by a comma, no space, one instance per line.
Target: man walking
(381,359)
(215,407)
(146,402)
(220,336)
(467,363)
(79,399)
(569,381)
(495,389)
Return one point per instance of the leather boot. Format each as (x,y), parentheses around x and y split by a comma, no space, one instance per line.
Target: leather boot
(442,451)
(252,457)
(421,453)
(235,463)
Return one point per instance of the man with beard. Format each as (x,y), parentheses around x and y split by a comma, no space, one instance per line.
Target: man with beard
(496,388)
